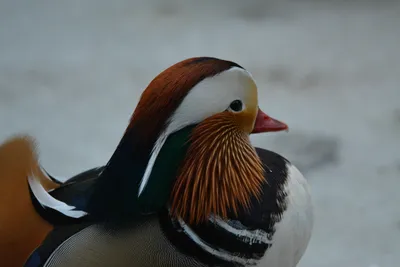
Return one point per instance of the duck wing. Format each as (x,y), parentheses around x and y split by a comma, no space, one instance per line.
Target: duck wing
(65,204)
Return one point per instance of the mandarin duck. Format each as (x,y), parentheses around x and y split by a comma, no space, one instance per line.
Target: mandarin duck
(185,186)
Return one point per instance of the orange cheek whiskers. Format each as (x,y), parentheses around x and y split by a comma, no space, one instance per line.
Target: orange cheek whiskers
(220,174)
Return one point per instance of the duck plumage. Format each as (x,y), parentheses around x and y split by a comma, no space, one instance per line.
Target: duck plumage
(275,232)
(184,187)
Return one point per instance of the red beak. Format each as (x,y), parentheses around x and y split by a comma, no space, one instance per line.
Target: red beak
(265,123)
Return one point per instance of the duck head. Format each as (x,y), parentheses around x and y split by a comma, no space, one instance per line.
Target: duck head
(187,144)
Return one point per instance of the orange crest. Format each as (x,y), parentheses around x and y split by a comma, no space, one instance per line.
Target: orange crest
(220,174)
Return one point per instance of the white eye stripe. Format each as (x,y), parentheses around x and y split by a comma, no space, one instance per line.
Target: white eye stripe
(212,93)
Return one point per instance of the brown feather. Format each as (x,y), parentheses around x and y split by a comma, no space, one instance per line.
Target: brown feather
(220,174)
(21,227)
(166,92)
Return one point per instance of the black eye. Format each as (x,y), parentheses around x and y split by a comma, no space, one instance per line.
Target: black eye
(236,106)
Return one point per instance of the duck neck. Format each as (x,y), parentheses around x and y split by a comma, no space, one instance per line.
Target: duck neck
(116,185)
(115,194)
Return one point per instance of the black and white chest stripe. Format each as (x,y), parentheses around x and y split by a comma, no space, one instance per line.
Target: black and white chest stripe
(244,240)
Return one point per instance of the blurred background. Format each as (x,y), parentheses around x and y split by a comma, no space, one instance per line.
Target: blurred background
(71,73)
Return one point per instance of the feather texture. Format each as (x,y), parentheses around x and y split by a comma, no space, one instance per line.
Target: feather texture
(48,201)
(220,174)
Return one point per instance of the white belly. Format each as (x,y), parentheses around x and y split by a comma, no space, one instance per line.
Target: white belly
(293,232)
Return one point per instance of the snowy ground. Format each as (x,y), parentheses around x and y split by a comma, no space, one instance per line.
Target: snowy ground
(71,74)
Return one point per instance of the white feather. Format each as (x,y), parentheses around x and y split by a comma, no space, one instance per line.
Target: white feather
(217,253)
(46,200)
(293,232)
(157,148)
(251,237)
